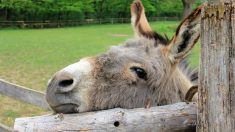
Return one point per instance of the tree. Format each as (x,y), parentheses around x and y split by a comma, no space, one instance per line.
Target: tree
(187,4)
(6,6)
(98,7)
(168,8)
(88,8)
(40,10)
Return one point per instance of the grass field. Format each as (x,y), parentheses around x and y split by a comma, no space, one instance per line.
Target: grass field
(30,57)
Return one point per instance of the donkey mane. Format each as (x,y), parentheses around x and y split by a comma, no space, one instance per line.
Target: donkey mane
(154,35)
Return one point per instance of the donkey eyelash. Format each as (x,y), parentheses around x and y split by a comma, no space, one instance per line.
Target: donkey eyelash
(140,72)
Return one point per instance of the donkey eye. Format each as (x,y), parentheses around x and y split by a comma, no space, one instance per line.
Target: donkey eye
(140,72)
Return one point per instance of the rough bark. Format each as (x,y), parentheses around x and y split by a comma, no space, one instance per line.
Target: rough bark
(187,4)
(171,118)
(217,68)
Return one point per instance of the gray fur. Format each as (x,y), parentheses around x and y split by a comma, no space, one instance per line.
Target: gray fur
(163,85)
(113,83)
(113,87)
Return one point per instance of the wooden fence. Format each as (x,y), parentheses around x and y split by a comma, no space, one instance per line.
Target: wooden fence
(55,24)
(23,94)
(180,117)
(4,128)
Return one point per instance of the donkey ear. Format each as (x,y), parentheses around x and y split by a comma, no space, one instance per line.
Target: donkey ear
(187,34)
(140,23)
(138,19)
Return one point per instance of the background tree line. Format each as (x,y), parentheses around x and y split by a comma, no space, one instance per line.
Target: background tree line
(41,10)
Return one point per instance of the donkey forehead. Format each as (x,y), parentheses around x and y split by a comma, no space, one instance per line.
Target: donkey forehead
(135,49)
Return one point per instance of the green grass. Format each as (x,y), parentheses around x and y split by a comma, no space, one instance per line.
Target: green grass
(30,57)
(11,109)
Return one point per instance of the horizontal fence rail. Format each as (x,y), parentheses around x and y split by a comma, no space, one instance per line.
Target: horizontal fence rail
(64,23)
(4,128)
(23,94)
(170,118)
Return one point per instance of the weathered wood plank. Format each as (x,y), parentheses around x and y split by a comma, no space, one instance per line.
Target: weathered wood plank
(216,83)
(4,128)
(23,94)
(170,118)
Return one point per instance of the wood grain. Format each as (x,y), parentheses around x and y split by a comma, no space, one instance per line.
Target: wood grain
(171,118)
(216,86)
(23,94)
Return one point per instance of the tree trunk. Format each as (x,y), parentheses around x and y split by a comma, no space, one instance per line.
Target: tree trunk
(187,4)
(100,9)
(217,68)
(6,14)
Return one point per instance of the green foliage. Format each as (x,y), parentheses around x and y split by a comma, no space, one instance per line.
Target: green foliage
(80,9)
(45,9)
(169,8)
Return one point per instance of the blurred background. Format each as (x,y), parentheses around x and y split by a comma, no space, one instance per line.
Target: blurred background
(80,10)
(39,37)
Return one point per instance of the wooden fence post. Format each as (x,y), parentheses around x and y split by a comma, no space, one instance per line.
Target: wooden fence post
(112,21)
(216,108)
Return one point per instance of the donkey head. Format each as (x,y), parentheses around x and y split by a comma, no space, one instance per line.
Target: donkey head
(147,68)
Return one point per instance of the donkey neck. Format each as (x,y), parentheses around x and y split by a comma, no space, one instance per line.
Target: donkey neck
(181,81)
(174,89)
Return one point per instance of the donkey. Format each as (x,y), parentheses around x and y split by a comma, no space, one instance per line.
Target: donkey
(146,68)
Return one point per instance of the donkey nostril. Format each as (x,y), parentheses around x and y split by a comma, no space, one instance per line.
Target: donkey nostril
(66,83)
